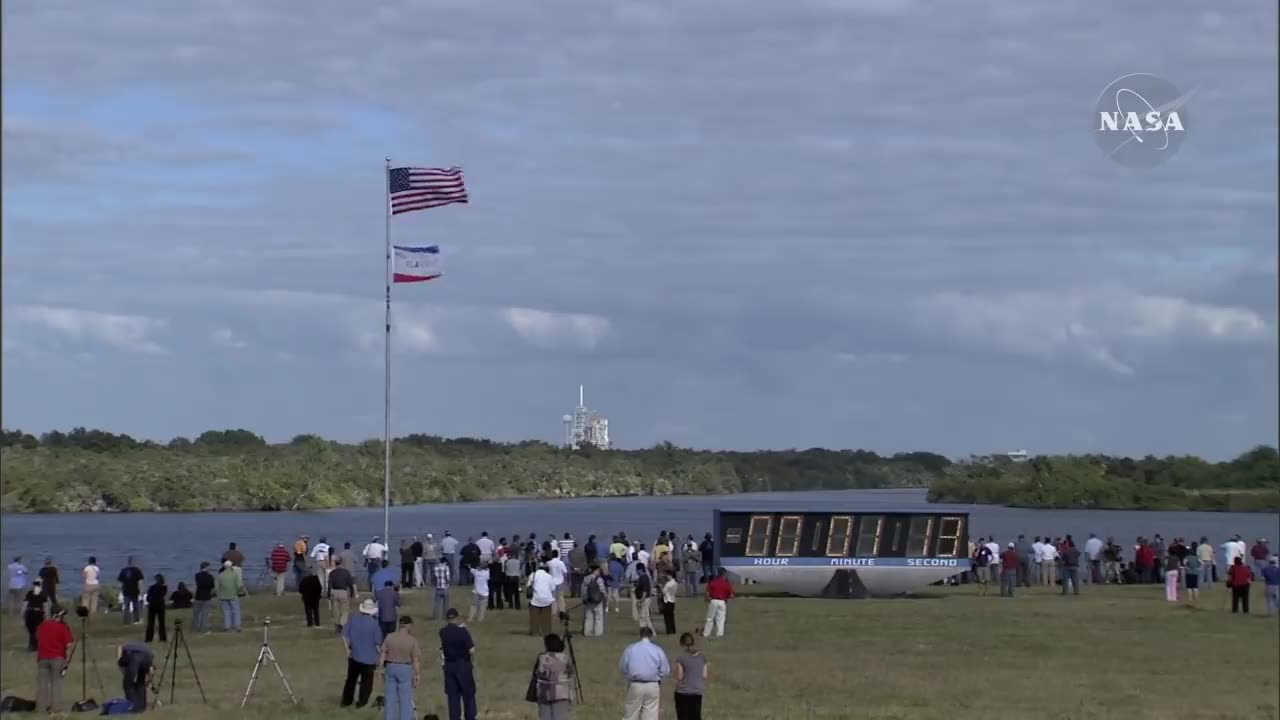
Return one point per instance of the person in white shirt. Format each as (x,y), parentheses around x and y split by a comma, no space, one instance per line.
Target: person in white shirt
(92,586)
(540,601)
(449,553)
(994,567)
(1048,555)
(567,545)
(631,552)
(559,572)
(643,556)
(486,548)
(1093,551)
(1232,549)
(1037,557)
(320,561)
(480,594)
(373,554)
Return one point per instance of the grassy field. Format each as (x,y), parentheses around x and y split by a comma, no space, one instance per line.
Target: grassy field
(1110,653)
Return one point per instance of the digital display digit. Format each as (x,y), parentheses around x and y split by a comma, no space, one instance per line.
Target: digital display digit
(949,531)
(918,540)
(789,535)
(758,533)
(841,534)
(869,536)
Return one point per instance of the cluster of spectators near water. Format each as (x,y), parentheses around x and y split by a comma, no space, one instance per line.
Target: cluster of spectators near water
(602,577)
(1183,567)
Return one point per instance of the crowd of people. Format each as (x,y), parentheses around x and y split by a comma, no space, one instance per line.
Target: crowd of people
(1184,568)
(554,578)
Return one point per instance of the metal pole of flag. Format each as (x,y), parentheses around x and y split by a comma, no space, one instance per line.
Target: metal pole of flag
(386,429)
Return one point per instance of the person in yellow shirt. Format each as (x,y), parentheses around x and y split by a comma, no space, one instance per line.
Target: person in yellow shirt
(618,549)
(300,559)
(1204,551)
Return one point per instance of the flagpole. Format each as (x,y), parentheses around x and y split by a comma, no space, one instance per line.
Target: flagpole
(386,420)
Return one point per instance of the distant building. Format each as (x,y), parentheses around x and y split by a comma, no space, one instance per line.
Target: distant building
(1018,455)
(585,427)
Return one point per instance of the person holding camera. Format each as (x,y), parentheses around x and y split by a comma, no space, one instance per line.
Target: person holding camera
(54,641)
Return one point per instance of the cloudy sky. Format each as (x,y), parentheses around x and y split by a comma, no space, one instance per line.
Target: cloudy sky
(741,224)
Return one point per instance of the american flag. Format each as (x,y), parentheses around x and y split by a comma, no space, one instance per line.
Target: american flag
(421,188)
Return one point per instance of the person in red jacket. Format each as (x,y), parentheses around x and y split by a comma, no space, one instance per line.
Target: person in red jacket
(1009,562)
(53,645)
(719,593)
(1239,578)
(1145,558)
(280,559)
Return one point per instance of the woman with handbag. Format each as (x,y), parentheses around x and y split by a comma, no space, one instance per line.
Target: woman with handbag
(551,686)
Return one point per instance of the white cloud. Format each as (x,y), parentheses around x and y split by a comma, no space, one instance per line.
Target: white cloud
(550,329)
(123,332)
(1107,328)
(225,337)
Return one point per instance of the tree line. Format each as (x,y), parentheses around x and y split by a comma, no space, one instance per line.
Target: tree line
(1247,483)
(235,469)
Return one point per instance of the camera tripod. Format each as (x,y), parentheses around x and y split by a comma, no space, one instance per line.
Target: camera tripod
(86,659)
(266,654)
(568,643)
(171,656)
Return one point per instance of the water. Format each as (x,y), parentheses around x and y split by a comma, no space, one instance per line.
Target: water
(174,544)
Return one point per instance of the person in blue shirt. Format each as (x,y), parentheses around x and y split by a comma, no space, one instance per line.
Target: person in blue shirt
(1271,574)
(363,637)
(383,576)
(644,665)
(18,578)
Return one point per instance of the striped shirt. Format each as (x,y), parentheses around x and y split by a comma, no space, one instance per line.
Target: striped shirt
(442,576)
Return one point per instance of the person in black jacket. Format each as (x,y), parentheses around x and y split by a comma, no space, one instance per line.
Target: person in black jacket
(156,596)
(181,598)
(130,579)
(310,589)
(202,604)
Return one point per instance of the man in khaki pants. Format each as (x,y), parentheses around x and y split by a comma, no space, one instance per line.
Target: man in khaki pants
(342,593)
(644,665)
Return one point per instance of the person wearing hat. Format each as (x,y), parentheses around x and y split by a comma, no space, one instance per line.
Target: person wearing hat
(1271,575)
(156,595)
(430,556)
(229,586)
(401,663)
(1010,562)
(54,641)
(373,554)
(458,651)
(362,637)
(322,561)
(1260,553)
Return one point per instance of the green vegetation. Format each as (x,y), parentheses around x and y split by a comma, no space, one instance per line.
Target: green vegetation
(1118,653)
(92,470)
(1248,483)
